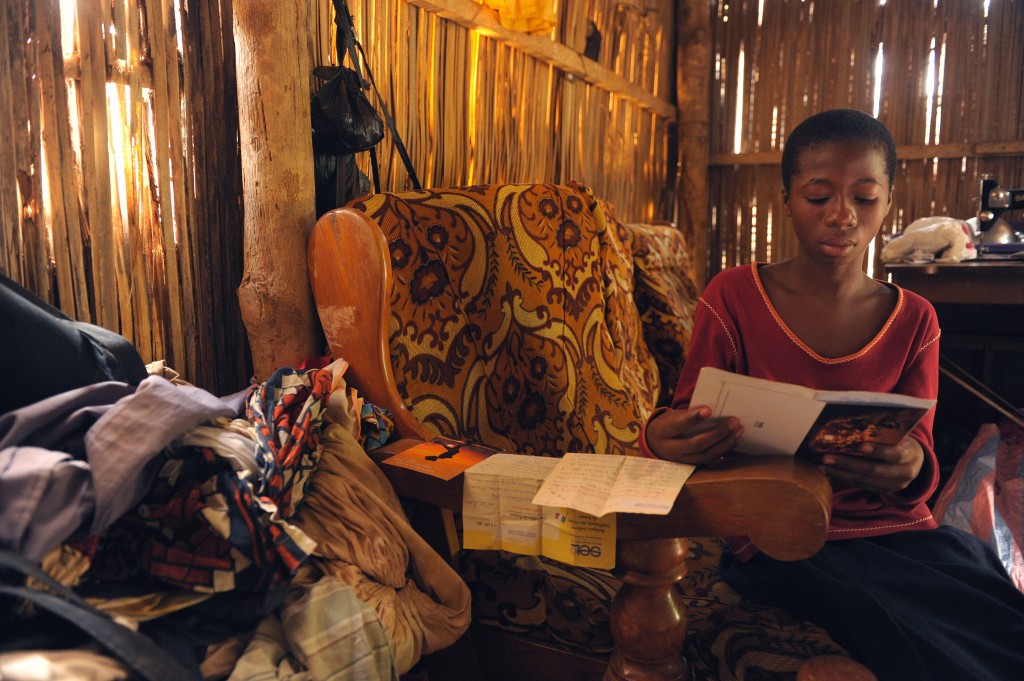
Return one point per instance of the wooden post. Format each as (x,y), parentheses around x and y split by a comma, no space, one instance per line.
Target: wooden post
(648,616)
(273,66)
(693,69)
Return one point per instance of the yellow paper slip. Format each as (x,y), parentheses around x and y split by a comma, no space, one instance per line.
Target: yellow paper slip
(498,513)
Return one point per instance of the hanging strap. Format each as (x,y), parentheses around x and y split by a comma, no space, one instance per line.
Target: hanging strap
(968,382)
(343,20)
(135,651)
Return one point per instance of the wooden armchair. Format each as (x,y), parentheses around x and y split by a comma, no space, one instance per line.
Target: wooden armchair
(782,504)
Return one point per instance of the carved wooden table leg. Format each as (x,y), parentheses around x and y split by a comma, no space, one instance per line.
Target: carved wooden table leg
(648,616)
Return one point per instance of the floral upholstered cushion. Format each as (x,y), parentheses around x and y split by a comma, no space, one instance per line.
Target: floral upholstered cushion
(665,296)
(730,638)
(513,321)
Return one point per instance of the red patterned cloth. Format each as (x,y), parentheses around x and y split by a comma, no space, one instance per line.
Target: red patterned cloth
(213,522)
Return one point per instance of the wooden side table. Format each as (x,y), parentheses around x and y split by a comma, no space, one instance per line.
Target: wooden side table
(974,282)
(980,305)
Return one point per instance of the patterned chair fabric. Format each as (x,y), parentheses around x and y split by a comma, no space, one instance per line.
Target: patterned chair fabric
(727,638)
(513,322)
(664,293)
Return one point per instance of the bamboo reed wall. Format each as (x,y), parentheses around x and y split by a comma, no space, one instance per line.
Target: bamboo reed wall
(473,108)
(951,91)
(120,175)
(119,178)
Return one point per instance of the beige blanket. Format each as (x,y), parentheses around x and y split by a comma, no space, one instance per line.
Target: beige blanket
(364,539)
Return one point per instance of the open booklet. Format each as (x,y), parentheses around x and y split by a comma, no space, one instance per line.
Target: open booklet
(563,508)
(782,418)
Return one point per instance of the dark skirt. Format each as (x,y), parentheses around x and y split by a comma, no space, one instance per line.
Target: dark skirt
(926,604)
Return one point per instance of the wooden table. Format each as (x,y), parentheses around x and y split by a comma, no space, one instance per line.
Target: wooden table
(974,282)
(980,305)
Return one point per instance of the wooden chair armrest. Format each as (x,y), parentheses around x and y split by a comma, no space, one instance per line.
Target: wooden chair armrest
(780,502)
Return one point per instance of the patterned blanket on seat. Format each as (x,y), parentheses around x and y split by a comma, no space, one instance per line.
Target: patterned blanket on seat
(514,322)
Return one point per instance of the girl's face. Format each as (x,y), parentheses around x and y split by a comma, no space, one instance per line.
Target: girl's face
(837,201)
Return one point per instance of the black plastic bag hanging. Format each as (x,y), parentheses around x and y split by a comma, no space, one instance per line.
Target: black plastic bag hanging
(342,8)
(343,119)
(338,179)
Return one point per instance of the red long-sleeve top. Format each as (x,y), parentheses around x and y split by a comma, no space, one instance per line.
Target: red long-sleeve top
(737,328)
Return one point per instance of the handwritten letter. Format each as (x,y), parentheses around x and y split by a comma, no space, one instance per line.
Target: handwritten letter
(600,484)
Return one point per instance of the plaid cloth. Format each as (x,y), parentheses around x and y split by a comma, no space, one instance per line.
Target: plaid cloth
(324,632)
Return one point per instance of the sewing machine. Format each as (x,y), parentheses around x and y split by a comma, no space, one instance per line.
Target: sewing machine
(997,234)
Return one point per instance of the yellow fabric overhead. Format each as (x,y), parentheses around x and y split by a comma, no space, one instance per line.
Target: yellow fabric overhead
(528,16)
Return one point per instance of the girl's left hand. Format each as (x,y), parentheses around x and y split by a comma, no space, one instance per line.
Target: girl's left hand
(877,468)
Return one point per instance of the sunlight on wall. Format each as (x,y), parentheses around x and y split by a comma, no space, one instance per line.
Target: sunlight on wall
(474,80)
(879,69)
(753,228)
(919,66)
(134,142)
(934,86)
(737,142)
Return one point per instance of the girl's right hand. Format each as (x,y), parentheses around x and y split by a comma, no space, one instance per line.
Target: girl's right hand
(692,436)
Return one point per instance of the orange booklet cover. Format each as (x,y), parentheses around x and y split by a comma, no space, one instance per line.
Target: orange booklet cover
(441,457)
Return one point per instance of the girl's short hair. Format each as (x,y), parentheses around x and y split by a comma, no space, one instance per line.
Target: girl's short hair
(838,125)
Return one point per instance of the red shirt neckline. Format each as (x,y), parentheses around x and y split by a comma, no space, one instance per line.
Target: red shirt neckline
(803,346)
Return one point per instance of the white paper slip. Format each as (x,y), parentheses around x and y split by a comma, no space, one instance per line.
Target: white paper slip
(599,484)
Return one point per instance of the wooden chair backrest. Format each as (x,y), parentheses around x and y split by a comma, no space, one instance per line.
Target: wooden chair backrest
(350,273)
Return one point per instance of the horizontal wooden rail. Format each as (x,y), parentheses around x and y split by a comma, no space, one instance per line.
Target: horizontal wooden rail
(477,17)
(909,152)
(118,72)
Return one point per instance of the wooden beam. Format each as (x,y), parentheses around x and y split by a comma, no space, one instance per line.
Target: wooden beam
(978,150)
(906,152)
(693,68)
(759,158)
(272,62)
(118,70)
(476,17)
